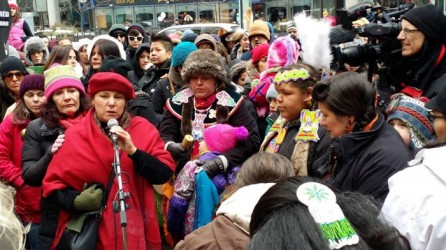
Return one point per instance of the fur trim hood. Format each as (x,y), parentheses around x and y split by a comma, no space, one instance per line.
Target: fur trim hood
(106,37)
(35,44)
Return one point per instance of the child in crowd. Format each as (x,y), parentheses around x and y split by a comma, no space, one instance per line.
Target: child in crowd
(195,194)
(296,133)
(271,97)
(410,118)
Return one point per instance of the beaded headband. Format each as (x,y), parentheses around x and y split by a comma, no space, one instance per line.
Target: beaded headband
(321,203)
(291,75)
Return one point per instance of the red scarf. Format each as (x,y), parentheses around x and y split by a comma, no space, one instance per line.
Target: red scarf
(70,122)
(202,103)
(91,155)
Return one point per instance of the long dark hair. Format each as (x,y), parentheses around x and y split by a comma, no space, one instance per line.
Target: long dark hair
(348,94)
(59,54)
(106,48)
(21,114)
(281,221)
(51,115)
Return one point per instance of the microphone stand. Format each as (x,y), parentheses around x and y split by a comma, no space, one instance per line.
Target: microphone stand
(120,205)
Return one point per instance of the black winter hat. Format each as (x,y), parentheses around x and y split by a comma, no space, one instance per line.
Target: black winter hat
(31,82)
(430,20)
(115,64)
(12,63)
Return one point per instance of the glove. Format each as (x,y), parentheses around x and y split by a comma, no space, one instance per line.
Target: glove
(212,167)
(58,143)
(89,200)
(177,151)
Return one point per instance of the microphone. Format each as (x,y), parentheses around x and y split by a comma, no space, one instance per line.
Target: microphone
(340,35)
(110,124)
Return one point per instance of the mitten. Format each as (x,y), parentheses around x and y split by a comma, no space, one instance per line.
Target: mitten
(89,200)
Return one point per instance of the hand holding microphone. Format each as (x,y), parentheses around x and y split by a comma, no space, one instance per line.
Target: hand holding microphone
(121,137)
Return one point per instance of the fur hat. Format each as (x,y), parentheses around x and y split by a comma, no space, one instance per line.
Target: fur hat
(116,65)
(204,62)
(271,93)
(33,44)
(31,82)
(107,37)
(413,113)
(12,63)
(430,20)
(13,4)
(180,53)
(61,76)
(224,137)
(110,81)
(259,52)
(283,52)
(259,27)
(205,38)
(236,69)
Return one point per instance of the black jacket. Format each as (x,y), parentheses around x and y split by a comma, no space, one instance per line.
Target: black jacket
(148,81)
(364,161)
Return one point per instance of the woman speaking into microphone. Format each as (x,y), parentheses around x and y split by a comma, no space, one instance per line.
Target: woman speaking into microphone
(89,150)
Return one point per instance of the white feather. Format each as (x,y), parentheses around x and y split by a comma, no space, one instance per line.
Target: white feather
(314,36)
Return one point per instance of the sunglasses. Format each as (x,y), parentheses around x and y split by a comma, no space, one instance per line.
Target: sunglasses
(16,74)
(139,38)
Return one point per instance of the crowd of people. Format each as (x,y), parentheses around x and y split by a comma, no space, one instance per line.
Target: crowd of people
(235,140)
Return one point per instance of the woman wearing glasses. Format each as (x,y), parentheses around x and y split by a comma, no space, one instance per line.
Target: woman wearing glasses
(136,35)
(12,71)
(415,204)
(422,68)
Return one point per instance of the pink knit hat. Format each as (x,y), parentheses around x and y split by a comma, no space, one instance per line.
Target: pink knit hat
(283,52)
(224,137)
(13,4)
(61,76)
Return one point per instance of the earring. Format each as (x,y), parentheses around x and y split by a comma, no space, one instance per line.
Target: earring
(349,127)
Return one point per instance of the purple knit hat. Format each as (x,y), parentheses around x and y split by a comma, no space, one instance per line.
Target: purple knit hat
(31,82)
(283,52)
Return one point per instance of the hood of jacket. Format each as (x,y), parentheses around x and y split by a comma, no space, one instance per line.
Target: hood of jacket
(238,208)
(35,44)
(138,70)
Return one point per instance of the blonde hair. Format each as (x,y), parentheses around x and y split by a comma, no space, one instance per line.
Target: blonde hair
(12,231)
(264,167)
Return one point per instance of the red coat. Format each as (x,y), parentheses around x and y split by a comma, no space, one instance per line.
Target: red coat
(86,157)
(27,198)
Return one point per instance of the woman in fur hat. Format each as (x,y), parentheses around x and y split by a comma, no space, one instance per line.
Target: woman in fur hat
(206,102)
(36,52)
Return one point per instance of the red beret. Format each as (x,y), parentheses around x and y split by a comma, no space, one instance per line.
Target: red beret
(110,81)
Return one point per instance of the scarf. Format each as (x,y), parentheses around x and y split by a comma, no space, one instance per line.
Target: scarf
(70,122)
(202,103)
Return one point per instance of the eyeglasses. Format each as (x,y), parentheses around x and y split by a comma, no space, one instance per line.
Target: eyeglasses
(18,75)
(139,38)
(431,116)
(407,31)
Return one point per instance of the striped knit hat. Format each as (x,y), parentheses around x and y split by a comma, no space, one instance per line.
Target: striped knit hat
(61,76)
(413,113)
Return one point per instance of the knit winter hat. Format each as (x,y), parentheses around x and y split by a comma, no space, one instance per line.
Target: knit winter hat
(414,114)
(272,92)
(259,52)
(259,27)
(224,137)
(31,82)
(13,4)
(291,25)
(189,36)
(205,38)
(284,51)
(430,20)
(137,27)
(61,76)
(115,64)
(236,68)
(180,53)
(110,81)
(12,63)
(204,62)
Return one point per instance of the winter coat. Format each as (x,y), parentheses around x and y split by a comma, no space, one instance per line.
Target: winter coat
(6,100)
(149,80)
(230,229)
(18,33)
(415,203)
(363,161)
(166,88)
(92,156)
(234,111)
(137,73)
(306,156)
(27,198)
